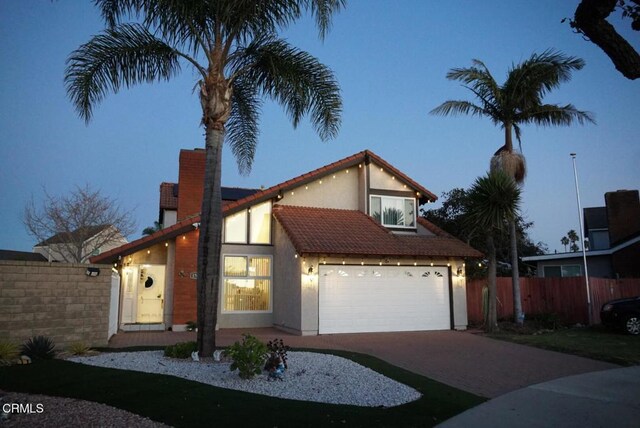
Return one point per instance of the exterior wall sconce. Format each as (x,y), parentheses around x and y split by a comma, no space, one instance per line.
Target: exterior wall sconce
(92,271)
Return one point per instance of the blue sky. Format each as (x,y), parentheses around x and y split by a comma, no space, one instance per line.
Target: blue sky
(390,58)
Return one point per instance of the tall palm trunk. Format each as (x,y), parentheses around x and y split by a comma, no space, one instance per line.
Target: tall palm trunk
(515,274)
(492,317)
(210,242)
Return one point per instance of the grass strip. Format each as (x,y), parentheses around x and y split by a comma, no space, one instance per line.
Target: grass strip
(596,343)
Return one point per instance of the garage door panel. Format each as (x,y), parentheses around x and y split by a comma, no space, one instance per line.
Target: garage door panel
(366,299)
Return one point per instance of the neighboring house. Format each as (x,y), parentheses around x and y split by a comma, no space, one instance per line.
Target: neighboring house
(338,249)
(613,242)
(81,244)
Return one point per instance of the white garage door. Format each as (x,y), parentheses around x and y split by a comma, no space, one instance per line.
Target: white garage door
(354,299)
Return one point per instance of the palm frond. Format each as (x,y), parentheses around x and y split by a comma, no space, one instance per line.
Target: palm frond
(127,54)
(454,108)
(493,200)
(295,79)
(242,129)
(528,82)
(554,115)
(323,11)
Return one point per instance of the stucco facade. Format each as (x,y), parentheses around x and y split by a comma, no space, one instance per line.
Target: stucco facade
(279,267)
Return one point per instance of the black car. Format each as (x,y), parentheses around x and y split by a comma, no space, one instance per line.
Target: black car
(622,313)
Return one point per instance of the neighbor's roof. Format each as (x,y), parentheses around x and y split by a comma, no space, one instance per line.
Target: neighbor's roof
(62,237)
(353,233)
(23,256)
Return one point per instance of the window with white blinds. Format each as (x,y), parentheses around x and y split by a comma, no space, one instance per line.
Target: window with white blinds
(247,283)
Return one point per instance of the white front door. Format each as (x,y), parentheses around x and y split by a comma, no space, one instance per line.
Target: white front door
(354,299)
(150,294)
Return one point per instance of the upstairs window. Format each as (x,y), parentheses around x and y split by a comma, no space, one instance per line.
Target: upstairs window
(393,211)
(251,226)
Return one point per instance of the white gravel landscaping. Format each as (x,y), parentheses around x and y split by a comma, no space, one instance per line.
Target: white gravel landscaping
(311,376)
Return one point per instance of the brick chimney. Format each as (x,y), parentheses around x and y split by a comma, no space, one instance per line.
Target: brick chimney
(190,182)
(623,214)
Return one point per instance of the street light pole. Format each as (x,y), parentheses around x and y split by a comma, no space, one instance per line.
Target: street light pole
(584,250)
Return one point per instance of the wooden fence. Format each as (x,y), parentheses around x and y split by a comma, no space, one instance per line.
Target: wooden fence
(566,297)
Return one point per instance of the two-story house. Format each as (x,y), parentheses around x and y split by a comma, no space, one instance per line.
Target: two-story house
(612,242)
(338,249)
(79,245)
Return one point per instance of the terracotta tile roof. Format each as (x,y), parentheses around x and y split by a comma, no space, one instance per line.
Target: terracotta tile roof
(162,235)
(353,233)
(168,196)
(229,207)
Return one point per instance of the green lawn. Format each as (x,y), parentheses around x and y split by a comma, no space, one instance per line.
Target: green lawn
(183,403)
(597,343)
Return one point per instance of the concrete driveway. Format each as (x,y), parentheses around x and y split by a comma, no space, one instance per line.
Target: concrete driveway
(467,361)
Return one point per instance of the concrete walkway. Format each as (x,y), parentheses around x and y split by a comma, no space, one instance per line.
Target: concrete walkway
(470,362)
(609,398)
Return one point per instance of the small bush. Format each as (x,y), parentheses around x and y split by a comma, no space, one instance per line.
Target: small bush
(547,321)
(277,351)
(180,350)
(191,326)
(248,357)
(8,353)
(78,348)
(39,348)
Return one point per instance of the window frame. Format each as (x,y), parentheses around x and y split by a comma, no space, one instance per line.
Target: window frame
(562,270)
(269,278)
(247,227)
(404,200)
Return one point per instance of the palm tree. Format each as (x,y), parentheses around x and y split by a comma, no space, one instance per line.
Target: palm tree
(234,49)
(150,230)
(564,241)
(493,202)
(573,238)
(519,101)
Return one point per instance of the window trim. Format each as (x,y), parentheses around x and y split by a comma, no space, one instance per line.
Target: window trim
(223,278)
(402,198)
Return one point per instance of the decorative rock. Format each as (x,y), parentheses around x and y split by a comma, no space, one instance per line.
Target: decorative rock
(194,356)
(318,377)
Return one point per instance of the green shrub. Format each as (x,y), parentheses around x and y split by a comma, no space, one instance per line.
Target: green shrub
(248,357)
(78,348)
(180,350)
(39,348)
(8,353)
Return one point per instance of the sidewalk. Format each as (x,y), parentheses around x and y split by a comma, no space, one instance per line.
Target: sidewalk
(609,398)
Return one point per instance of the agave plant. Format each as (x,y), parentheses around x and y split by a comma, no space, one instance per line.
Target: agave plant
(39,348)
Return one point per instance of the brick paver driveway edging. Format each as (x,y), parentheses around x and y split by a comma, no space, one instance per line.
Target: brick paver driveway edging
(474,363)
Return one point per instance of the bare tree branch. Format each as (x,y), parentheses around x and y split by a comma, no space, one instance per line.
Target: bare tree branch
(74,227)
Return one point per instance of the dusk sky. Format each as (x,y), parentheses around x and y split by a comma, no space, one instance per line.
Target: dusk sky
(390,59)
